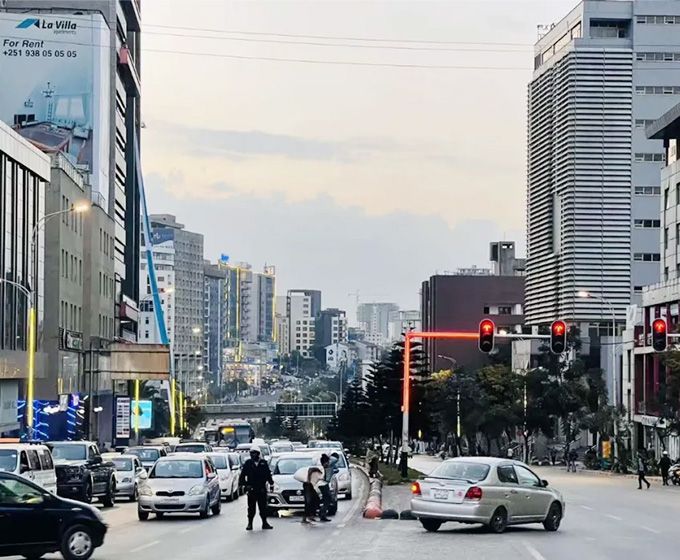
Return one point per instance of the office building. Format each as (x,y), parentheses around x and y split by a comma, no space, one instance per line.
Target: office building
(282,333)
(24,172)
(215,321)
(504,261)
(302,309)
(401,322)
(644,381)
(374,319)
(89,108)
(601,75)
(459,303)
(331,328)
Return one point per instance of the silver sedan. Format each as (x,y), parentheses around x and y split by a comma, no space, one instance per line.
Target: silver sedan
(487,490)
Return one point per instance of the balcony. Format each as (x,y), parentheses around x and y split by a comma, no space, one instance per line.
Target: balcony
(133,14)
(128,72)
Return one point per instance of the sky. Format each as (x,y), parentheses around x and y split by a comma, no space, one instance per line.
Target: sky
(359,147)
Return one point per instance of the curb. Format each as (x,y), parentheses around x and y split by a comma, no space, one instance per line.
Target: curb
(373,506)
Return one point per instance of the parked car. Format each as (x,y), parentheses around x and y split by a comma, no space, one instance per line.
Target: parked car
(343,471)
(193,447)
(34,522)
(228,471)
(32,461)
(128,468)
(287,492)
(82,474)
(180,483)
(487,490)
(148,454)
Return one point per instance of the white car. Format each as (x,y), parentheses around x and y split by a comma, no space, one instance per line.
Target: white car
(32,461)
(342,471)
(128,471)
(180,483)
(228,472)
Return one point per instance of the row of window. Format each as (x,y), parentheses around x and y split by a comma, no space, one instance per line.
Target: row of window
(667,196)
(74,220)
(648,191)
(647,257)
(658,20)
(70,316)
(650,157)
(657,90)
(105,326)
(646,224)
(643,123)
(71,267)
(657,56)
(105,243)
(106,285)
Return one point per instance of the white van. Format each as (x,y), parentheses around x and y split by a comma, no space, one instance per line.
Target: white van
(32,461)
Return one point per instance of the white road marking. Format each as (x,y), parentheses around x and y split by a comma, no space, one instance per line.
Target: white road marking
(144,546)
(650,530)
(587,507)
(184,531)
(614,517)
(535,554)
(342,525)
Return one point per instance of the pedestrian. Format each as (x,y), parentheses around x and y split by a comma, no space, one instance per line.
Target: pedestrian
(324,486)
(310,490)
(255,476)
(553,456)
(665,466)
(642,471)
(571,465)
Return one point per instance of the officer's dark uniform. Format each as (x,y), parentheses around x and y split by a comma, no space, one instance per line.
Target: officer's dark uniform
(255,477)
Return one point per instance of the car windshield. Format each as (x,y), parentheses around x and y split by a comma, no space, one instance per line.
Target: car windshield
(8,459)
(291,466)
(122,464)
(69,452)
(341,464)
(145,454)
(220,461)
(177,469)
(459,470)
(198,448)
(282,447)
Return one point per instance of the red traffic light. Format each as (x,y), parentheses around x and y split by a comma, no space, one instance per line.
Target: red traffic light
(659,335)
(558,337)
(487,330)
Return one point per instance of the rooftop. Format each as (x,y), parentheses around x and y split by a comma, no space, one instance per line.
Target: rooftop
(666,127)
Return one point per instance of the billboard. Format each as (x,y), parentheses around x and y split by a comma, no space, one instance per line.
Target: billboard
(143,410)
(58,97)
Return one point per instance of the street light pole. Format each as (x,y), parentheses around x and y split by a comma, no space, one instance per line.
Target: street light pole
(615,389)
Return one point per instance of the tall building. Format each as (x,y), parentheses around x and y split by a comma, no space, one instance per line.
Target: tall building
(282,333)
(181,289)
(215,321)
(403,321)
(504,261)
(374,319)
(87,105)
(302,309)
(601,75)
(24,172)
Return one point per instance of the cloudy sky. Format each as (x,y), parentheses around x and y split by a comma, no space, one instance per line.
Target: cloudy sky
(355,145)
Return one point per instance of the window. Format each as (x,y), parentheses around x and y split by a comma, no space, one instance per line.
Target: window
(657,56)
(666,198)
(486,309)
(657,90)
(643,123)
(665,238)
(527,478)
(505,310)
(506,474)
(15,492)
(650,157)
(665,273)
(45,460)
(658,20)
(637,289)
(647,257)
(33,460)
(647,224)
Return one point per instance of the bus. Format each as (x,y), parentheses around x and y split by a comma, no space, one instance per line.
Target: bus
(232,432)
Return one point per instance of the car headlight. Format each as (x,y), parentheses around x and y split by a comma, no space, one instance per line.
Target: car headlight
(344,477)
(126,479)
(145,491)
(197,490)
(276,488)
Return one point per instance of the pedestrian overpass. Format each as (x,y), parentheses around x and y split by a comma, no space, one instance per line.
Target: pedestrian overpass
(267,410)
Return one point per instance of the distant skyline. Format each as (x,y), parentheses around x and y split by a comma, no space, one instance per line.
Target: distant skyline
(313,167)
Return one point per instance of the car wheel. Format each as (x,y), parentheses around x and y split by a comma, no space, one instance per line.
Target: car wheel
(135,494)
(86,496)
(229,497)
(77,543)
(348,495)
(499,520)
(206,509)
(217,508)
(236,495)
(110,497)
(431,525)
(142,515)
(554,518)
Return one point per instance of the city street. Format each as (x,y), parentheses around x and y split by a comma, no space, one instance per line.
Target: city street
(606,518)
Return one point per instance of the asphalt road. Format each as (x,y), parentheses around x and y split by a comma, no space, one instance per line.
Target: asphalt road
(606,518)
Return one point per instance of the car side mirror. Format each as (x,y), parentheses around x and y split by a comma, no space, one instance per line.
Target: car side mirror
(96,460)
(139,471)
(24,469)
(544,483)
(235,468)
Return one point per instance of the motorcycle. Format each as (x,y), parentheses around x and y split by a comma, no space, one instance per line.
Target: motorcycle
(674,474)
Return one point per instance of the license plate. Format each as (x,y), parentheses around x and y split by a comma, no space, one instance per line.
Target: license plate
(441,494)
(296,499)
(170,500)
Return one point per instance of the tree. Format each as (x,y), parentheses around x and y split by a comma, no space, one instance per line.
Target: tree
(668,401)
(193,416)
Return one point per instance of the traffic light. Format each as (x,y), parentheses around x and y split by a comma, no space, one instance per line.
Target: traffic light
(659,335)
(487,330)
(558,337)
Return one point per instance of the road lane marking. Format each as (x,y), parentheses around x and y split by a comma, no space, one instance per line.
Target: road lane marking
(587,507)
(184,531)
(535,554)
(144,546)
(650,530)
(342,525)
(614,517)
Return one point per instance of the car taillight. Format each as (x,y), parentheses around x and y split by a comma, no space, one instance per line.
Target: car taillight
(473,493)
(415,489)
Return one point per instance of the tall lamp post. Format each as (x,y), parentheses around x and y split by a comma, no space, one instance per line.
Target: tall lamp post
(454,363)
(589,295)
(32,327)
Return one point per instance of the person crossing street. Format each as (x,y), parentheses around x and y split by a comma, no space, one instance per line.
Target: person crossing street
(255,476)
(664,467)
